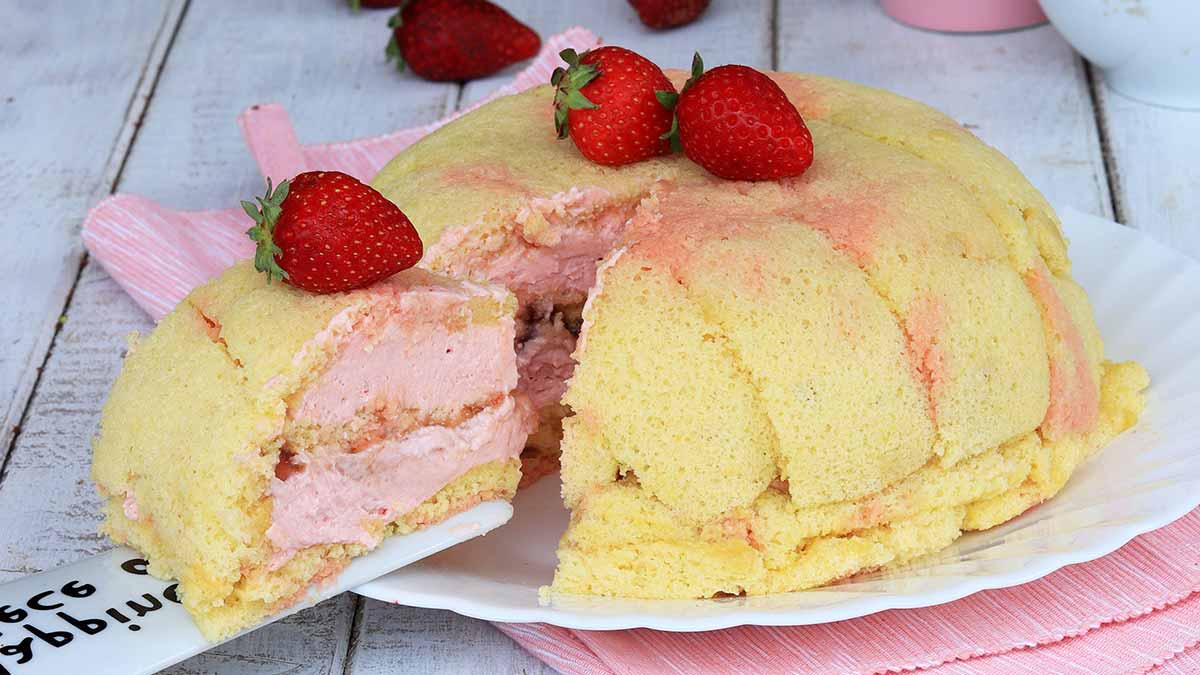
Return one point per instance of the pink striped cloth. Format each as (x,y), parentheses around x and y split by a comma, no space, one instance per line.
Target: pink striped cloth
(158,254)
(1134,611)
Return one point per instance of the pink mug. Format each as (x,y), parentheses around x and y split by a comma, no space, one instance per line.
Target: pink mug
(966,16)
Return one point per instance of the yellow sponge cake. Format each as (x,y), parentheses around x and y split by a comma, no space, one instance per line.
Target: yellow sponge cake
(765,387)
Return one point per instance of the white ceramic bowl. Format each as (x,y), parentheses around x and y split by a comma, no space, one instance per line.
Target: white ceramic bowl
(1149,50)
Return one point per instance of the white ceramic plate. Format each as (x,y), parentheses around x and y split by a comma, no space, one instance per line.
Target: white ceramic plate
(1147,301)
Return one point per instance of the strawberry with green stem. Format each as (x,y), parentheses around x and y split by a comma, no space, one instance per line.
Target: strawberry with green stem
(614,104)
(737,123)
(326,232)
(265,215)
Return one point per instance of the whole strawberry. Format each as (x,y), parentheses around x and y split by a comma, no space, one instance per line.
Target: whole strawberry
(447,40)
(738,124)
(668,13)
(614,104)
(326,232)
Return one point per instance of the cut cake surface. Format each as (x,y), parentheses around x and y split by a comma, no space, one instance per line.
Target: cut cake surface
(260,437)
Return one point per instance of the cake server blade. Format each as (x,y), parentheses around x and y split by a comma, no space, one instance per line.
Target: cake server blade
(106,615)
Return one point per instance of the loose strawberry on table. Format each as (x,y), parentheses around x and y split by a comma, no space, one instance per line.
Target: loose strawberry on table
(326,232)
(454,40)
(668,13)
(737,123)
(614,104)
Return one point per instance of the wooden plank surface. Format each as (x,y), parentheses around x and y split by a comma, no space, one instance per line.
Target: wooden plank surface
(1153,154)
(70,98)
(48,506)
(728,32)
(396,640)
(1024,92)
(322,62)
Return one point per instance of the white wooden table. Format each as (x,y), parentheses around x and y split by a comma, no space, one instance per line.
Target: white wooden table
(140,96)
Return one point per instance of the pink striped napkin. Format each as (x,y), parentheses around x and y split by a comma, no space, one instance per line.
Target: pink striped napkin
(1133,611)
(159,254)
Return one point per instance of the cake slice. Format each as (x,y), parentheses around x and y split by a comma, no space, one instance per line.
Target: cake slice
(260,437)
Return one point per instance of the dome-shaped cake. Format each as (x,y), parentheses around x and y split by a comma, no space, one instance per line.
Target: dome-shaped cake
(765,387)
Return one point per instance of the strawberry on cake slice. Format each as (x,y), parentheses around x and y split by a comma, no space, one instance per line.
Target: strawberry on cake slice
(265,433)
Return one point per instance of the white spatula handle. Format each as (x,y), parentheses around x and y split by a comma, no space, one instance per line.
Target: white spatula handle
(106,615)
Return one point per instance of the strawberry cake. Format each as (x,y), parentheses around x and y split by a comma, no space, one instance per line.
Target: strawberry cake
(261,436)
(766,387)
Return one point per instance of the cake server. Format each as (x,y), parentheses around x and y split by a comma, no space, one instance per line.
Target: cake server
(106,615)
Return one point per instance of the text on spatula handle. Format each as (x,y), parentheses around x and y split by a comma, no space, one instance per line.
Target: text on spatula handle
(43,620)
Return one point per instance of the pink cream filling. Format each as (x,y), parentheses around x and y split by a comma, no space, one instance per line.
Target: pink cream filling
(405,346)
(343,497)
(545,363)
(552,261)
(562,238)
(403,358)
